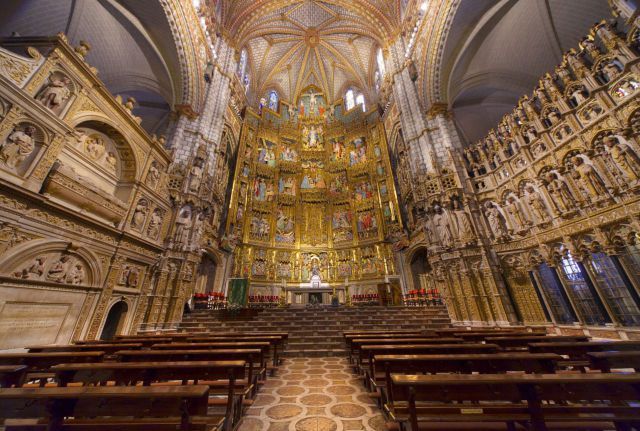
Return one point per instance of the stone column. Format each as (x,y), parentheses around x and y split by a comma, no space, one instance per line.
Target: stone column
(414,125)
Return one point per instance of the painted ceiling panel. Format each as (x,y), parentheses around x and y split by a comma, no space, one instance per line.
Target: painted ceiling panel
(310,39)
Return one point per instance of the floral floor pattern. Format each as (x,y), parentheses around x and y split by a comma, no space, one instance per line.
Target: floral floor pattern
(313,394)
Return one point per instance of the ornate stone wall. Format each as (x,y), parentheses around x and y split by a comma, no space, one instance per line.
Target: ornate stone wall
(538,222)
(93,210)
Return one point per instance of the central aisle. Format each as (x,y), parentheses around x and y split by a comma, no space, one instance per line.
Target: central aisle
(313,394)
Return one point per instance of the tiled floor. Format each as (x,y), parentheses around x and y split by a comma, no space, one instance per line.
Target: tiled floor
(313,394)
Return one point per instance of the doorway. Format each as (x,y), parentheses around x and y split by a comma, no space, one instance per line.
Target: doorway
(115,320)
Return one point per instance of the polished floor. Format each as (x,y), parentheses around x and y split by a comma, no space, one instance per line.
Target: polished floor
(313,394)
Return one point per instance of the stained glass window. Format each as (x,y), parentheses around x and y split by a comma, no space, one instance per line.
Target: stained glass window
(242,65)
(550,285)
(350,100)
(582,295)
(360,101)
(614,290)
(273,101)
(380,61)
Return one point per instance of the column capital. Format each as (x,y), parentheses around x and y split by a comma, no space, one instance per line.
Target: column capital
(437,109)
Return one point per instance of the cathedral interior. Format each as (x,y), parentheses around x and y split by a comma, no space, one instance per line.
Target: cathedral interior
(161,161)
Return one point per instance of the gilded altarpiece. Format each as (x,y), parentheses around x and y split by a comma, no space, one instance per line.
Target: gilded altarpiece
(312,194)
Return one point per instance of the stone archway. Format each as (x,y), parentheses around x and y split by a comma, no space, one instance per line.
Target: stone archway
(115,320)
(206,275)
(419,265)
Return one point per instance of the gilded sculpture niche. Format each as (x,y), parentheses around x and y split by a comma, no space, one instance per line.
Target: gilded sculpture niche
(312,194)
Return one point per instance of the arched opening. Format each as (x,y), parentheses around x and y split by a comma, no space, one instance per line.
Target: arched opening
(420,268)
(206,275)
(115,320)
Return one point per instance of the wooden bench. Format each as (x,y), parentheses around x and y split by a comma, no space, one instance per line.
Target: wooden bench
(12,375)
(145,341)
(107,408)
(107,348)
(492,363)
(350,336)
(576,352)
(607,361)
(476,337)
(276,341)
(38,364)
(522,342)
(357,343)
(494,330)
(369,351)
(263,346)
(216,374)
(250,356)
(515,401)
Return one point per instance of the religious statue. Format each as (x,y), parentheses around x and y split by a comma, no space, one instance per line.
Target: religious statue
(579,95)
(139,214)
(153,176)
(292,112)
(94,147)
(58,271)
(18,147)
(195,175)
(537,206)
(130,276)
(625,159)
(313,102)
(442,226)
(77,274)
(112,161)
(35,270)
(55,93)
(462,222)
(183,225)
(611,71)
(517,216)
(560,194)
(496,221)
(284,228)
(576,64)
(153,230)
(589,179)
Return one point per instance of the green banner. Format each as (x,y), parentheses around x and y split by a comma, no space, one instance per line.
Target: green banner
(238,292)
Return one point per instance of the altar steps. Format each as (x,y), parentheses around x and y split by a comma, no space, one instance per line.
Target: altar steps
(318,332)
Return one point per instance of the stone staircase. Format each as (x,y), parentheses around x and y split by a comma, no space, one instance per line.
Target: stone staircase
(318,331)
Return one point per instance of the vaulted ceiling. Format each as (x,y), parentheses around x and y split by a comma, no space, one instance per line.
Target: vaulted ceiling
(132,46)
(496,51)
(293,44)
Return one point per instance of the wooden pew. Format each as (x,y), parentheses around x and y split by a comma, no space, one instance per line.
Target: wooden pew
(350,336)
(576,352)
(506,401)
(159,373)
(607,361)
(357,343)
(492,363)
(369,351)
(12,375)
(448,332)
(108,408)
(276,341)
(38,364)
(264,346)
(107,348)
(145,341)
(250,356)
(521,342)
(477,337)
